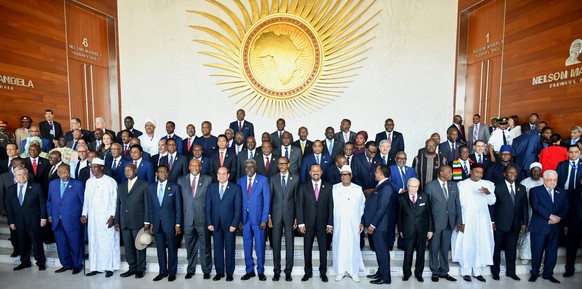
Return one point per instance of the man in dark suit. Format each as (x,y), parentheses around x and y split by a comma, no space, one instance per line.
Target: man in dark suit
(170,128)
(223,213)
(64,207)
(248,152)
(332,175)
(98,136)
(290,152)
(188,142)
(223,158)
(382,224)
(128,122)
(198,153)
(460,128)
(50,129)
(494,172)
(255,214)
(446,213)
(575,136)
(416,225)
(131,215)
(117,163)
(526,149)
(391,135)
(27,215)
(345,135)
(383,157)
(569,179)
(145,169)
(478,155)
(165,209)
(364,166)
(509,216)
(303,143)
(162,153)
(54,161)
(284,186)
(450,148)
(330,145)
(276,136)
(76,125)
(315,219)
(317,157)
(37,165)
(194,186)
(550,208)
(11,153)
(176,162)
(242,125)
(266,161)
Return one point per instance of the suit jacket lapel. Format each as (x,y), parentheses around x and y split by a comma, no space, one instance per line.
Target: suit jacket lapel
(27,193)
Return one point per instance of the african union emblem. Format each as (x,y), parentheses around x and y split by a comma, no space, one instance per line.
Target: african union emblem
(289,58)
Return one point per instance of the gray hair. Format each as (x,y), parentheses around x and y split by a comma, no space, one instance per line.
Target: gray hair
(549,173)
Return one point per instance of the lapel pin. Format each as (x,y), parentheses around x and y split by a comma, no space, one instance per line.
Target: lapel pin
(70,186)
(168,188)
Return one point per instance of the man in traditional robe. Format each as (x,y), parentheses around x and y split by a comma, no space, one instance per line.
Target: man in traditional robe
(473,246)
(348,209)
(98,212)
(427,163)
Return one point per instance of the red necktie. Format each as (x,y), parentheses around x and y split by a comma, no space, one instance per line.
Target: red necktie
(267,164)
(34,166)
(250,187)
(414,200)
(189,143)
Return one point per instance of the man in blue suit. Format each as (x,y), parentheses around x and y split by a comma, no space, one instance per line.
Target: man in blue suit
(400,173)
(256,200)
(198,153)
(222,157)
(117,163)
(317,157)
(391,135)
(223,212)
(170,128)
(64,207)
(450,148)
(549,208)
(145,169)
(363,166)
(526,148)
(165,208)
(241,125)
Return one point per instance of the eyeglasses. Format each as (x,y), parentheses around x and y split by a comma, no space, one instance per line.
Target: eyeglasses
(282,164)
(401,158)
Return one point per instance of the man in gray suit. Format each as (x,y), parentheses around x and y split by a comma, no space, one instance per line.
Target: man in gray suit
(284,186)
(196,235)
(446,213)
(478,131)
(131,215)
(291,153)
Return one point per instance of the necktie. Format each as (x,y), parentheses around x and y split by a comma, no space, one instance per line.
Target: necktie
(317,159)
(221,191)
(135,163)
(346,137)
(349,157)
(52,131)
(475,132)
(414,200)
(161,193)
(53,168)
(193,187)
(572,180)
(283,184)
(221,158)
(250,155)
(287,152)
(129,186)
(316,192)
(267,163)
(189,143)
(77,169)
(504,137)
(551,196)
(124,149)
(445,191)
(512,194)
(20,194)
(34,166)
(330,148)
(240,126)
(465,168)
(98,144)
(114,164)
(453,150)
(480,159)
(403,177)
(172,162)
(280,134)
(237,150)
(389,137)
(302,147)
(250,186)
(63,187)
(384,160)
(75,145)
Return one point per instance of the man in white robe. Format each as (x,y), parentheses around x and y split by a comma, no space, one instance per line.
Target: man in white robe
(348,209)
(474,244)
(98,212)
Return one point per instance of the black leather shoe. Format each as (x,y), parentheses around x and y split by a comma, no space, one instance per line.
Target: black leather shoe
(76,271)
(276,277)
(171,278)
(405,278)
(14,254)
(532,278)
(21,266)
(159,277)
(449,278)
(480,278)
(306,277)
(229,277)
(419,279)
(434,278)
(248,276)
(373,276)
(379,281)
(288,278)
(93,273)
(496,277)
(552,279)
(514,277)
(568,274)
(108,274)
(63,269)
(324,278)
(139,275)
(127,274)
(467,278)
(206,275)
(41,267)
(262,277)
(217,277)
(189,275)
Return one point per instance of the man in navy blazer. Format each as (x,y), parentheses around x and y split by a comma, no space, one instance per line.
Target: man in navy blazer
(393,136)
(165,208)
(177,163)
(400,173)
(198,153)
(364,166)
(223,213)
(549,206)
(117,163)
(170,128)
(223,157)
(241,125)
(266,161)
(526,148)
(145,169)
(64,207)
(49,128)
(317,157)
(450,148)
(303,143)
(256,202)
(479,156)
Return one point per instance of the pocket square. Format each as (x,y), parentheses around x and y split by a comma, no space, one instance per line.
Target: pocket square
(421,204)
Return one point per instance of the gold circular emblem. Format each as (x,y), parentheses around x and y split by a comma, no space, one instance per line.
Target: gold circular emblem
(281,57)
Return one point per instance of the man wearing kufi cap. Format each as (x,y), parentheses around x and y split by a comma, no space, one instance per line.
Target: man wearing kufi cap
(494,171)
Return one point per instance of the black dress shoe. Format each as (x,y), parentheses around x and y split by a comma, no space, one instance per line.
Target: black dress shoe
(229,277)
(76,271)
(276,277)
(288,278)
(206,275)
(108,274)
(552,279)
(21,266)
(139,275)
(532,278)
(405,278)
(306,277)
(419,279)
(449,278)
(127,274)
(514,277)
(496,277)
(14,254)
(41,267)
(217,277)
(189,275)
(93,273)
(373,276)
(467,278)
(159,277)
(379,281)
(568,274)
(434,278)
(262,277)
(324,278)
(248,276)
(171,278)
(480,278)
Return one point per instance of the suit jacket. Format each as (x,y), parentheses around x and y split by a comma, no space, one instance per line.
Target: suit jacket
(46,146)
(87,136)
(189,153)
(526,148)
(485,159)
(332,175)
(283,202)
(494,172)
(156,160)
(42,169)
(462,131)
(339,137)
(247,129)
(574,196)
(337,148)
(68,208)
(4,165)
(382,218)
(135,133)
(33,207)
(276,140)
(179,142)
(563,168)
(240,161)
(225,212)
(308,146)
(325,162)
(229,161)
(396,177)
(295,158)
(194,208)
(50,177)
(483,135)
(445,150)
(145,171)
(45,130)
(145,155)
(118,172)
(169,213)
(178,169)
(446,212)
(508,215)
(414,217)
(205,170)
(132,209)
(362,172)
(261,169)
(315,214)
(542,207)
(397,142)
(256,203)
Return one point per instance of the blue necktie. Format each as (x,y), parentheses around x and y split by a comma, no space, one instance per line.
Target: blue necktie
(384,159)
(161,193)
(317,159)
(63,187)
(20,194)
(403,176)
(286,152)
(171,162)
(114,164)
(331,148)
(551,196)
(480,160)
(283,184)
(572,180)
